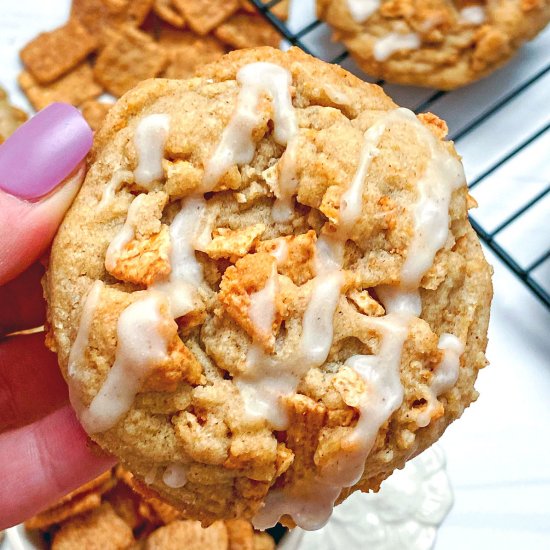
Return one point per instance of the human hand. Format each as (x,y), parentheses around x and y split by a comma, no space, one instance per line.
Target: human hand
(43,450)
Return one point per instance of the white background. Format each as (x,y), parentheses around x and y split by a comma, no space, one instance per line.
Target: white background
(499,453)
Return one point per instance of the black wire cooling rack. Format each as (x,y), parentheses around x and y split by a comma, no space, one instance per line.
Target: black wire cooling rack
(534,271)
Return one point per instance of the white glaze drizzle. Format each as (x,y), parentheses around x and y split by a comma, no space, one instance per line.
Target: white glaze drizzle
(149,140)
(318,330)
(269,378)
(472,15)
(117,179)
(280,253)
(312,503)
(125,235)
(288,183)
(396,300)
(386,46)
(361,10)
(186,272)
(445,377)
(237,145)
(175,476)
(443,174)
(76,355)
(140,346)
(262,304)
(352,200)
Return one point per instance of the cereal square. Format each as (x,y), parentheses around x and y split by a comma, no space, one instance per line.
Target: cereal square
(244,30)
(205,15)
(52,54)
(129,57)
(74,87)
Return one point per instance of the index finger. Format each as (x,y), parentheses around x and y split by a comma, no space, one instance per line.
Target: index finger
(42,462)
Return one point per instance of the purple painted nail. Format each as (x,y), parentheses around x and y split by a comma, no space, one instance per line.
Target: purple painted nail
(41,153)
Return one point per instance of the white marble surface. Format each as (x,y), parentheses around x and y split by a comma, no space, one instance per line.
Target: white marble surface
(498,454)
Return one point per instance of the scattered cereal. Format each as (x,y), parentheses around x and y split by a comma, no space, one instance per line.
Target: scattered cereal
(52,54)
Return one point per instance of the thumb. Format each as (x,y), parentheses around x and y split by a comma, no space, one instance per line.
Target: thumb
(41,169)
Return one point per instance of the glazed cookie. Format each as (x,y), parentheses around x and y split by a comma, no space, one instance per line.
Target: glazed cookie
(433,43)
(267,294)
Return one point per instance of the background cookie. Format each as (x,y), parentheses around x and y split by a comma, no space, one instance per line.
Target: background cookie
(433,43)
(327,330)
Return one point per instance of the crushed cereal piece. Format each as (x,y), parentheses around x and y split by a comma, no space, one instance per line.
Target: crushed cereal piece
(227,243)
(298,260)
(247,276)
(365,303)
(74,87)
(143,261)
(182,177)
(180,365)
(52,54)
(128,57)
(306,420)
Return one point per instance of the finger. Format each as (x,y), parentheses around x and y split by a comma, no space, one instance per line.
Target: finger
(22,305)
(42,462)
(40,162)
(31,385)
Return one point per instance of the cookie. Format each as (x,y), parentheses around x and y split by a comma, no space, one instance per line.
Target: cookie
(431,43)
(267,294)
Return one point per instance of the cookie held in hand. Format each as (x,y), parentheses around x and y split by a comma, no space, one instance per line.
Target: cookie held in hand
(267,294)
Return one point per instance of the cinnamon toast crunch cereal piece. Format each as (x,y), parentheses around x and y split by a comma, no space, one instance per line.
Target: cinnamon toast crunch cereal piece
(365,303)
(298,257)
(248,276)
(243,30)
(189,535)
(129,56)
(280,9)
(99,529)
(95,112)
(100,15)
(52,54)
(10,117)
(262,541)
(74,87)
(144,261)
(189,54)
(234,244)
(205,15)
(64,511)
(240,534)
(169,12)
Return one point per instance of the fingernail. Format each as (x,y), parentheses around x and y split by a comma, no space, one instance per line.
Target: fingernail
(41,153)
